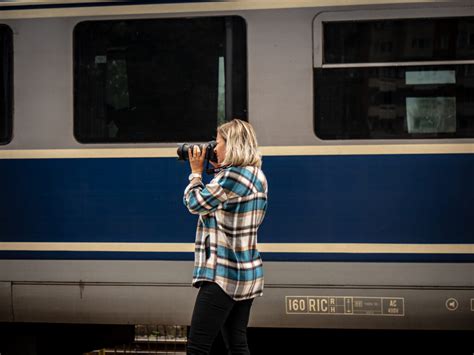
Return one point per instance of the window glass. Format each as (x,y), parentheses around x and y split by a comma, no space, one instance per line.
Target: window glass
(163,80)
(6,87)
(396,101)
(399,40)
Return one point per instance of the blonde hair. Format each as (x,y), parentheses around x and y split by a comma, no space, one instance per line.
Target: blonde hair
(241,144)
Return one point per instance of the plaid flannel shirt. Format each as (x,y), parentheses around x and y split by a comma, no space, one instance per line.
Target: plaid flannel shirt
(231,208)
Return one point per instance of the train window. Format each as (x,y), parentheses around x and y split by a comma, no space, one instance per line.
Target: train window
(399,40)
(158,80)
(396,79)
(6,87)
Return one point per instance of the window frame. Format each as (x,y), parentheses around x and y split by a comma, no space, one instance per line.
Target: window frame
(379,15)
(8,109)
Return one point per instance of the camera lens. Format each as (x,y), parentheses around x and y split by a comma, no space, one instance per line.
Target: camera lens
(183,151)
(210,155)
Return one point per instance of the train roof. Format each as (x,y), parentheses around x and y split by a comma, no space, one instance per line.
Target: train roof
(37,8)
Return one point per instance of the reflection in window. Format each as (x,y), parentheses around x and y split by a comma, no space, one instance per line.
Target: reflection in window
(6,86)
(398,40)
(391,103)
(221,93)
(160,80)
(431,114)
(116,85)
(430,77)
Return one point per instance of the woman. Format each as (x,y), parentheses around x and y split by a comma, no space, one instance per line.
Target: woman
(227,267)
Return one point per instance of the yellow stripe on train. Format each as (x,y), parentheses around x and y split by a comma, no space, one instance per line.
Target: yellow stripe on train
(170,152)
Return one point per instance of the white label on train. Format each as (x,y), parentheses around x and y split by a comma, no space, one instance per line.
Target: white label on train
(345,305)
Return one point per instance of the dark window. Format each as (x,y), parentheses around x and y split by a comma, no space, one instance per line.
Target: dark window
(6,87)
(406,101)
(163,80)
(409,40)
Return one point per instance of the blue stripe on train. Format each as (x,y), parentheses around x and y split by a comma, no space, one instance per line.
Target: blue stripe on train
(371,199)
(312,199)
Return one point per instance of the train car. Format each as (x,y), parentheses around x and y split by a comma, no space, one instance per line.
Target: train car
(364,112)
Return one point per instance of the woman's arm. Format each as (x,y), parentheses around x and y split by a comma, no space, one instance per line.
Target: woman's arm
(200,199)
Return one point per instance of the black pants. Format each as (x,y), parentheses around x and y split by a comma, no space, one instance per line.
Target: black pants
(215,311)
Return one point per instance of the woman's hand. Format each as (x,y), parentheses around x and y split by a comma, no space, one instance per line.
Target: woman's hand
(196,159)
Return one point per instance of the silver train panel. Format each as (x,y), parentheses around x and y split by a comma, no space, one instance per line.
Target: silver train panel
(6,310)
(151,292)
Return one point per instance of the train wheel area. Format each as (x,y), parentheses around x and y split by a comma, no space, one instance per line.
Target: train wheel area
(358,341)
(87,339)
(53,339)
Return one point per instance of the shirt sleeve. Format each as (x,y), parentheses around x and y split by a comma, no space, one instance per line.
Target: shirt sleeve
(200,199)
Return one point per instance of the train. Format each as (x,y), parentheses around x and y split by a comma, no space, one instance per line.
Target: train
(364,112)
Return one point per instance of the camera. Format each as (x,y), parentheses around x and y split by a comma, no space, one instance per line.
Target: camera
(210,155)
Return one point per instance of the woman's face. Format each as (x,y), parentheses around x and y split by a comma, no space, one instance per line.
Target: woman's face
(220,148)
